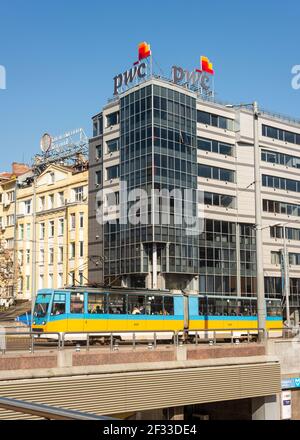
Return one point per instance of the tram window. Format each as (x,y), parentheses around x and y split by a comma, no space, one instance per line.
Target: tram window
(154,305)
(96,303)
(41,305)
(211,307)
(201,306)
(273,308)
(230,308)
(77,303)
(136,304)
(59,304)
(117,304)
(168,305)
(248,308)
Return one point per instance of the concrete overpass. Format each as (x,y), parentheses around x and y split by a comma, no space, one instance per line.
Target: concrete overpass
(146,383)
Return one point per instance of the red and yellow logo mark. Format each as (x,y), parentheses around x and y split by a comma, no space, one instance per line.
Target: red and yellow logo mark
(206,65)
(144,50)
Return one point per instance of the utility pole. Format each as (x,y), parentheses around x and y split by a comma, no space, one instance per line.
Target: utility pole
(261,303)
(33,247)
(286,277)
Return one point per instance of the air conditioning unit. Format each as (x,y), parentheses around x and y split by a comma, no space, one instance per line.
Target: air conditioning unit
(84,198)
(6,203)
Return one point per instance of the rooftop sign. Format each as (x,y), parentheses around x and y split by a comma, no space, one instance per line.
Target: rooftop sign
(199,80)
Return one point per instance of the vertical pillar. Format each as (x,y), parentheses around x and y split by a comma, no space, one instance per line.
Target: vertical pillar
(266,408)
(154,266)
(261,306)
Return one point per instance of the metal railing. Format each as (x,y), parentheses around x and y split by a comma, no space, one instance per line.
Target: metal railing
(32,341)
(46,411)
(16,341)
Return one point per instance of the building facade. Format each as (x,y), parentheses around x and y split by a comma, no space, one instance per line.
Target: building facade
(161,136)
(9,269)
(51,229)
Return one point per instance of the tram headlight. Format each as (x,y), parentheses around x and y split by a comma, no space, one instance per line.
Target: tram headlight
(33,322)
(44,322)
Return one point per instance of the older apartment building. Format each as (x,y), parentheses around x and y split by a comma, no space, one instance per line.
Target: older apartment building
(51,230)
(8,268)
(161,135)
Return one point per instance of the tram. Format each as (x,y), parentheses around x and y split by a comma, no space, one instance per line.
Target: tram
(123,311)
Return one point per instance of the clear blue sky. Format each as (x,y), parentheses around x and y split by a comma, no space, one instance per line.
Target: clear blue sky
(61,56)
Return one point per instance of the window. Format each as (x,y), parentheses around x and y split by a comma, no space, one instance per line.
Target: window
(275,257)
(280,158)
(42,203)
(42,256)
(80,275)
(281,183)
(60,254)
(28,227)
(72,278)
(281,207)
(10,243)
(81,219)
(214,199)
(51,228)
(78,192)
(214,146)
(282,135)
(112,145)
(112,199)
(61,226)
(50,280)
(21,232)
(20,257)
(10,220)
(27,205)
(136,304)
(214,120)
(61,198)
(73,221)
(76,303)
(51,255)
(72,250)
(98,179)
(10,196)
(98,151)
(42,231)
(81,249)
(97,303)
(51,201)
(216,173)
(59,304)
(112,172)
(117,304)
(112,119)
(41,281)
(52,178)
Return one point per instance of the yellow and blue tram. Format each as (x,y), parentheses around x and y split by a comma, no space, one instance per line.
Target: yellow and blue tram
(122,311)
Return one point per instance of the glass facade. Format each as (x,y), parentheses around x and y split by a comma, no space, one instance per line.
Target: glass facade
(158,151)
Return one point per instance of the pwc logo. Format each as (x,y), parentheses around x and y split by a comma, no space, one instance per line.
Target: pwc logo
(206,65)
(139,69)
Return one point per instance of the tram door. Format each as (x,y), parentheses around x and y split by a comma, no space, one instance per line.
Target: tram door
(76,315)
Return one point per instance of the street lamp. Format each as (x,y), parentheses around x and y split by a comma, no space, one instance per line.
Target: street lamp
(261,306)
